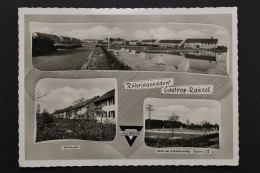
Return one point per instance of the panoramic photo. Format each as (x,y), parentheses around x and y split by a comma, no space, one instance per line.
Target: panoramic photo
(193,48)
(182,123)
(75,109)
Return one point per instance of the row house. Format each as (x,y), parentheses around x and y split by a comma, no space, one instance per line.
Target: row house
(56,38)
(133,42)
(198,43)
(101,108)
(106,103)
(117,41)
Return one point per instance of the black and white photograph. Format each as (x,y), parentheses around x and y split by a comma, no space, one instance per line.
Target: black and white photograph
(75,109)
(103,87)
(193,48)
(182,123)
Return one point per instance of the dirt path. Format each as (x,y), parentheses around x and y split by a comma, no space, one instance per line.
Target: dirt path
(99,61)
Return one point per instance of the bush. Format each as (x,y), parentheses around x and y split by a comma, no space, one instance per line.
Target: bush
(76,129)
(47,118)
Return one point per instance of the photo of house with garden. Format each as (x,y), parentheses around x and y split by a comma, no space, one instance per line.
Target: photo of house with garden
(182,123)
(65,109)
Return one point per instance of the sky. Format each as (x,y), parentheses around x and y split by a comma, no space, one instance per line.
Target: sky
(132,31)
(194,109)
(62,92)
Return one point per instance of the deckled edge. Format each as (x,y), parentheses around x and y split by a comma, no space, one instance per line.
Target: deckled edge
(148,162)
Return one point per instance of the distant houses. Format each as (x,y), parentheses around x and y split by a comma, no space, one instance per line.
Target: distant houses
(170,43)
(133,42)
(56,38)
(117,41)
(194,43)
(91,40)
(197,43)
(101,108)
(149,42)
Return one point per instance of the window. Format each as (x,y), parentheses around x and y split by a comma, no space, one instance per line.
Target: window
(105,114)
(112,114)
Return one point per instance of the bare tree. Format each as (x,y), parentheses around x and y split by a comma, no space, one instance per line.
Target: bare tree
(173,118)
(40,94)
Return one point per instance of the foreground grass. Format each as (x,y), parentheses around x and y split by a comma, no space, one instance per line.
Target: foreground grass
(76,129)
(204,141)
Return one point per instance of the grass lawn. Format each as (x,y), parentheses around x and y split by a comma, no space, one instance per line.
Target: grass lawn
(68,59)
(181,138)
(203,141)
(169,135)
(75,129)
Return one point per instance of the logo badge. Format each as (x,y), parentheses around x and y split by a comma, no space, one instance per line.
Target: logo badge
(131,133)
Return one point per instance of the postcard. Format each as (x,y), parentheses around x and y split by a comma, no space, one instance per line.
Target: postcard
(101,87)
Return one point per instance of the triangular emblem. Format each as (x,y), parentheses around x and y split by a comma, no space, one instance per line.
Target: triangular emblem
(131,133)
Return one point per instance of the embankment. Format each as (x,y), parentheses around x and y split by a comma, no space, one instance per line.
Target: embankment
(114,62)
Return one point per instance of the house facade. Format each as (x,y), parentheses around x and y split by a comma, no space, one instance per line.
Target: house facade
(119,41)
(197,43)
(101,108)
(133,42)
(105,106)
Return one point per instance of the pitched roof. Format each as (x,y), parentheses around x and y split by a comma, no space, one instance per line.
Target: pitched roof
(107,95)
(201,40)
(170,41)
(84,103)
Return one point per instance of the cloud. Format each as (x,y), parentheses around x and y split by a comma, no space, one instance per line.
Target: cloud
(178,109)
(45,29)
(63,97)
(97,32)
(194,115)
(165,33)
(221,32)
(156,33)
(191,33)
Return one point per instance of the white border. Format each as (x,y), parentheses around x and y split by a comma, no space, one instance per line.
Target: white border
(162,11)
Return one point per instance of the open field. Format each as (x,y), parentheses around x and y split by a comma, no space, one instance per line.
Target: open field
(67,59)
(181,138)
(75,129)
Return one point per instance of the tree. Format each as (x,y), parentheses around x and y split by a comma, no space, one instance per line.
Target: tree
(173,118)
(47,118)
(188,123)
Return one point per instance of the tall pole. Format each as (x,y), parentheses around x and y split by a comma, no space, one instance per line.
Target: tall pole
(108,46)
(149,108)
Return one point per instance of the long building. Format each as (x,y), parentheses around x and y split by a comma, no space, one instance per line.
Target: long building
(101,108)
(198,43)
